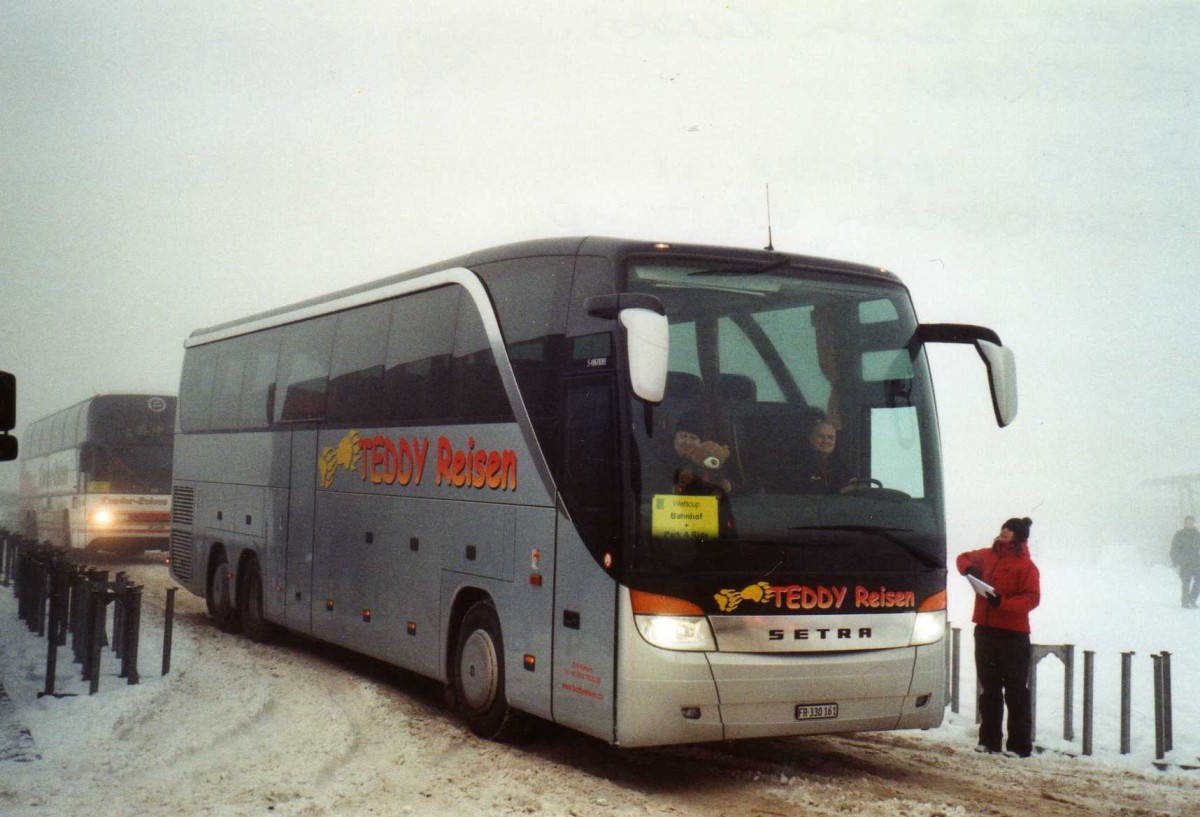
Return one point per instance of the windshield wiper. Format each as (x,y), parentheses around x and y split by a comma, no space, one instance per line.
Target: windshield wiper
(767,267)
(927,559)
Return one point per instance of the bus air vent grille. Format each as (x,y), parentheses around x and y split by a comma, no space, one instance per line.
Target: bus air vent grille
(181,555)
(183,506)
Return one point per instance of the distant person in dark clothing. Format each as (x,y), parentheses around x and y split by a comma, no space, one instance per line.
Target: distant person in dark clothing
(1185,556)
(820,471)
(1002,651)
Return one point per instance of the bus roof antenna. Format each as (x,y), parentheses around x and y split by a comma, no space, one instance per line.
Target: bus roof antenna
(770,241)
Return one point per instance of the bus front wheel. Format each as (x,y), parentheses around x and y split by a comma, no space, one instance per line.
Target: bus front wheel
(479,675)
(220,598)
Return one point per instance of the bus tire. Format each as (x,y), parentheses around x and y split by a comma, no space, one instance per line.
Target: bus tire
(222,606)
(250,603)
(478,675)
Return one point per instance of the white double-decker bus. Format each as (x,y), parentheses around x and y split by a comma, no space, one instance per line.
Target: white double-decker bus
(97,475)
(657,493)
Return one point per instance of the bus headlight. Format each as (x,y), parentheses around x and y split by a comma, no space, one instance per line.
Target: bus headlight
(929,628)
(102,517)
(676,632)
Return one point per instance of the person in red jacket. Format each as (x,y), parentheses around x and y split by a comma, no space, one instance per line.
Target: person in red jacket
(1002,652)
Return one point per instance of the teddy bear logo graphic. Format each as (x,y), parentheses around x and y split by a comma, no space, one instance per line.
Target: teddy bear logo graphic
(728,600)
(346,455)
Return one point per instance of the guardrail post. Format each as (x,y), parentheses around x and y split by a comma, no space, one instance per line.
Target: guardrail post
(1168,730)
(1068,659)
(168,630)
(1126,695)
(1089,665)
(97,604)
(1159,742)
(132,604)
(955,667)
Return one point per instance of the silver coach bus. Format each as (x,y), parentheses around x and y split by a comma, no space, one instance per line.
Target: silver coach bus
(657,493)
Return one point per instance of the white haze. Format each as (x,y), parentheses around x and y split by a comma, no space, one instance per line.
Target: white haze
(1027,166)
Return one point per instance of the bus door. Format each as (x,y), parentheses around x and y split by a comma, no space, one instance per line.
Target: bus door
(298,604)
(585,607)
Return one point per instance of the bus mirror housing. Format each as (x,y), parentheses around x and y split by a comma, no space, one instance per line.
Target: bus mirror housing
(647,338)
(8,416)
(997,358)
(1002,379)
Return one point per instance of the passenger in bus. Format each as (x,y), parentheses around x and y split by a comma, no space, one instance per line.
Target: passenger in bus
(820,470)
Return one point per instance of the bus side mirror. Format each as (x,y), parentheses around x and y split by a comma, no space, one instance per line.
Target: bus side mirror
(647,338)
(999,360)
(8,416)
(1002,379)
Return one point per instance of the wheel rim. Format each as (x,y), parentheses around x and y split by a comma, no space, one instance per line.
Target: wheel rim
(478,671)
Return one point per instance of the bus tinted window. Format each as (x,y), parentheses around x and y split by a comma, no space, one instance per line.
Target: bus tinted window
(478,391)
(356,373)
(258,382)
(227,385)
(417,378)
(304,369)
(75,431)
(199,366)
(56,432)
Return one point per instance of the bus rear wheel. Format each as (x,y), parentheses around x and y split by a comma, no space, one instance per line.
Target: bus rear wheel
(250,603)
(478,671)
(220,597)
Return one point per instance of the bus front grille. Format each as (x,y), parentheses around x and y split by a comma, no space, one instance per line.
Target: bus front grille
(183,506)
(181,555)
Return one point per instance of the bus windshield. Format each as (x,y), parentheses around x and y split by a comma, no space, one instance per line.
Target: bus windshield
(797,431)
(130,445)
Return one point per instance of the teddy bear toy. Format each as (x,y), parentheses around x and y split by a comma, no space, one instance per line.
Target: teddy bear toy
(701,475)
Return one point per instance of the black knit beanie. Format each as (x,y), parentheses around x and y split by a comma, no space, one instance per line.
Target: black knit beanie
(1019,527)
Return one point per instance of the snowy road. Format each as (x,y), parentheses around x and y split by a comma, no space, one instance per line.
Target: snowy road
(294,728)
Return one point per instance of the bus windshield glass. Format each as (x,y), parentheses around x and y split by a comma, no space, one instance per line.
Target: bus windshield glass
(130,445)
(797,431)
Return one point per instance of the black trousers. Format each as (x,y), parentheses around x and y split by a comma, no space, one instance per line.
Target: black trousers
(1189,577)
(1002,666)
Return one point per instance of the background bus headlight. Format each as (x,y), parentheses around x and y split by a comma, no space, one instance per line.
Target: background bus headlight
(929,627)
(103,517)
(676,632)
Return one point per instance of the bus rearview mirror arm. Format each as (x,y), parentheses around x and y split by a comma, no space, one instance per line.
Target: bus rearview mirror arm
(647,338)
(997,358)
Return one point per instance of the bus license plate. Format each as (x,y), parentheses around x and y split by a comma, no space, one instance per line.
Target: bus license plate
(811,712)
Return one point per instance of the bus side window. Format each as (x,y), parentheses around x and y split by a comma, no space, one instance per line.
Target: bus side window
(356,373)
(195,399)
(478,390)
(227,385)
(421,342)
(304,369)
(258,383)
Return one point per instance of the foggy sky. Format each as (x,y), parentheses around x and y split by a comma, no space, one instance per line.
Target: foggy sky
(1031,167)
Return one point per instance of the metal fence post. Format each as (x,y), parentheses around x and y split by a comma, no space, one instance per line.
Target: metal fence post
(1126,695)
(955,667)
(1089,665)
(132,633)
(1168,730)
(1159,743)
(168,630)
(1068,658)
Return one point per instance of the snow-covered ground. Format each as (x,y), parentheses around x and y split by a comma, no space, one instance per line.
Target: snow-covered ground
(238,728)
